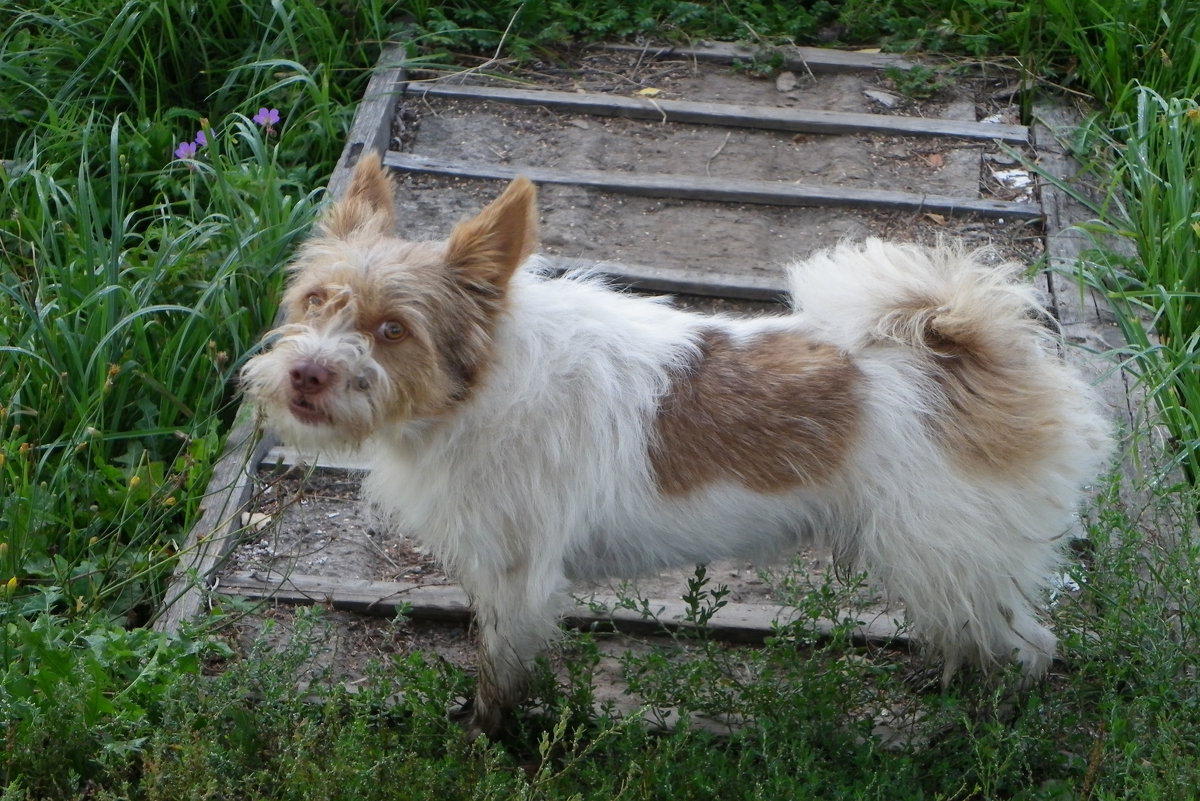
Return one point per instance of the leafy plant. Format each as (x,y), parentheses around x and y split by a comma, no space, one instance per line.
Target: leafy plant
(1153,206)
(91,695)
(918,82)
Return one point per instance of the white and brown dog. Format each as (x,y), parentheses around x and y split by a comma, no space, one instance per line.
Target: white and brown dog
(535,430)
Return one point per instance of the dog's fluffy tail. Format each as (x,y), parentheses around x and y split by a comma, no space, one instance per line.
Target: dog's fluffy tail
(940,299)
(992,396)
(979,440)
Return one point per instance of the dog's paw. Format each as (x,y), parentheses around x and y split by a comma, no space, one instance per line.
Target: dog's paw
(474,722)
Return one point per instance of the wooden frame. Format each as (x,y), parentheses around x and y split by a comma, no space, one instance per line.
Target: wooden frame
(696,187)
(219,528)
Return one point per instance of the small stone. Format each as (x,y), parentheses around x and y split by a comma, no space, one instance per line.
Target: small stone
(885,99)
(256,521)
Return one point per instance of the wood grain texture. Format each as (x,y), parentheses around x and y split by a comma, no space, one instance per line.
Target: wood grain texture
(796,59)
(372,126)
(219,527)
(689,187)
(743,623)
(677,281)
(791,120)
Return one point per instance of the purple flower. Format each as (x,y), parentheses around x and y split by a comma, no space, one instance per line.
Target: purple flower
(266,116)
(186,150)
(201,139)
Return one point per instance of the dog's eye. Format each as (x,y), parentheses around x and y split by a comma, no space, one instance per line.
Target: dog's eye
(314,300)
(392,331)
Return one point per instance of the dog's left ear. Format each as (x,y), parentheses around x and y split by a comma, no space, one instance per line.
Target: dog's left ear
(367,206)
(491,246)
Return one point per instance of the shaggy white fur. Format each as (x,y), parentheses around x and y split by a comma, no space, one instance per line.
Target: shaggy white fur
(951,476)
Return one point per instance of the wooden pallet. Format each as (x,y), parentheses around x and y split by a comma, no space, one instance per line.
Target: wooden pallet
(221,526)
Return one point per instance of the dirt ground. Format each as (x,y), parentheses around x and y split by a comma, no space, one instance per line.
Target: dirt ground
(313,525)
(704,236)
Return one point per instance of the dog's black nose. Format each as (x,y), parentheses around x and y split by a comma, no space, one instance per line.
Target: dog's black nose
(309,377)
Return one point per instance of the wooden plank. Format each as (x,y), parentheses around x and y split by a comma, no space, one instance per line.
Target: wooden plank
(438,602)
(731,114)
(677,281)
(372,126)
(774,193)
(285,455)
(796,59)
(748,623)
(219,527)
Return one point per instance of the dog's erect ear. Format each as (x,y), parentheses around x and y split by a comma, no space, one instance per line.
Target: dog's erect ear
(491,246)
(367,206)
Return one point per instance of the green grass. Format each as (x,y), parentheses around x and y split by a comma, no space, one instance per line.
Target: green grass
(133,284)
(1155,208)
(133,715)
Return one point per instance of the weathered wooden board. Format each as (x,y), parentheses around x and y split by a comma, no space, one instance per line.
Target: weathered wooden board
(282,455)
(792,120)
(219,526)
(677,282)
(796,59)
(747,623)
(695,187)
(371,129)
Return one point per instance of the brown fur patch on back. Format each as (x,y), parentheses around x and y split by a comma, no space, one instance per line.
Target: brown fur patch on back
(777,412)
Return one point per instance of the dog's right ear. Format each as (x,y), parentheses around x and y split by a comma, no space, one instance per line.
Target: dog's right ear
(368,205)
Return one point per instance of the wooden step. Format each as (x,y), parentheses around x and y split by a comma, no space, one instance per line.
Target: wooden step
(694,187)
(792,120)
(796,59)
(744,623)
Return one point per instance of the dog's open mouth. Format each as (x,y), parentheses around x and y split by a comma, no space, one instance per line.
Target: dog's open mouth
(306,411)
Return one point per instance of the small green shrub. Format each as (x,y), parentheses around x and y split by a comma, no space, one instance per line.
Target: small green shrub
(91,695)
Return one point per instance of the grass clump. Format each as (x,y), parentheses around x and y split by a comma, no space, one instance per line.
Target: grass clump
(1151,276)
(134,281)
(123,325)
(1117,717)
(90,695)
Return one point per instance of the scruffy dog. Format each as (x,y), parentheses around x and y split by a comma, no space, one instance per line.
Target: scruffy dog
(535,430)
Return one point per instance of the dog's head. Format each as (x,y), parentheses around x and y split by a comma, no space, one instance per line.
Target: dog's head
(379,330)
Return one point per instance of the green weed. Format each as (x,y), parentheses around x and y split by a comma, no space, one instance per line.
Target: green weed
(1152,209)
(91,695)
(919,82)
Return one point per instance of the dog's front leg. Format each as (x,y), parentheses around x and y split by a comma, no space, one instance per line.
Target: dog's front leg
(514,620)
